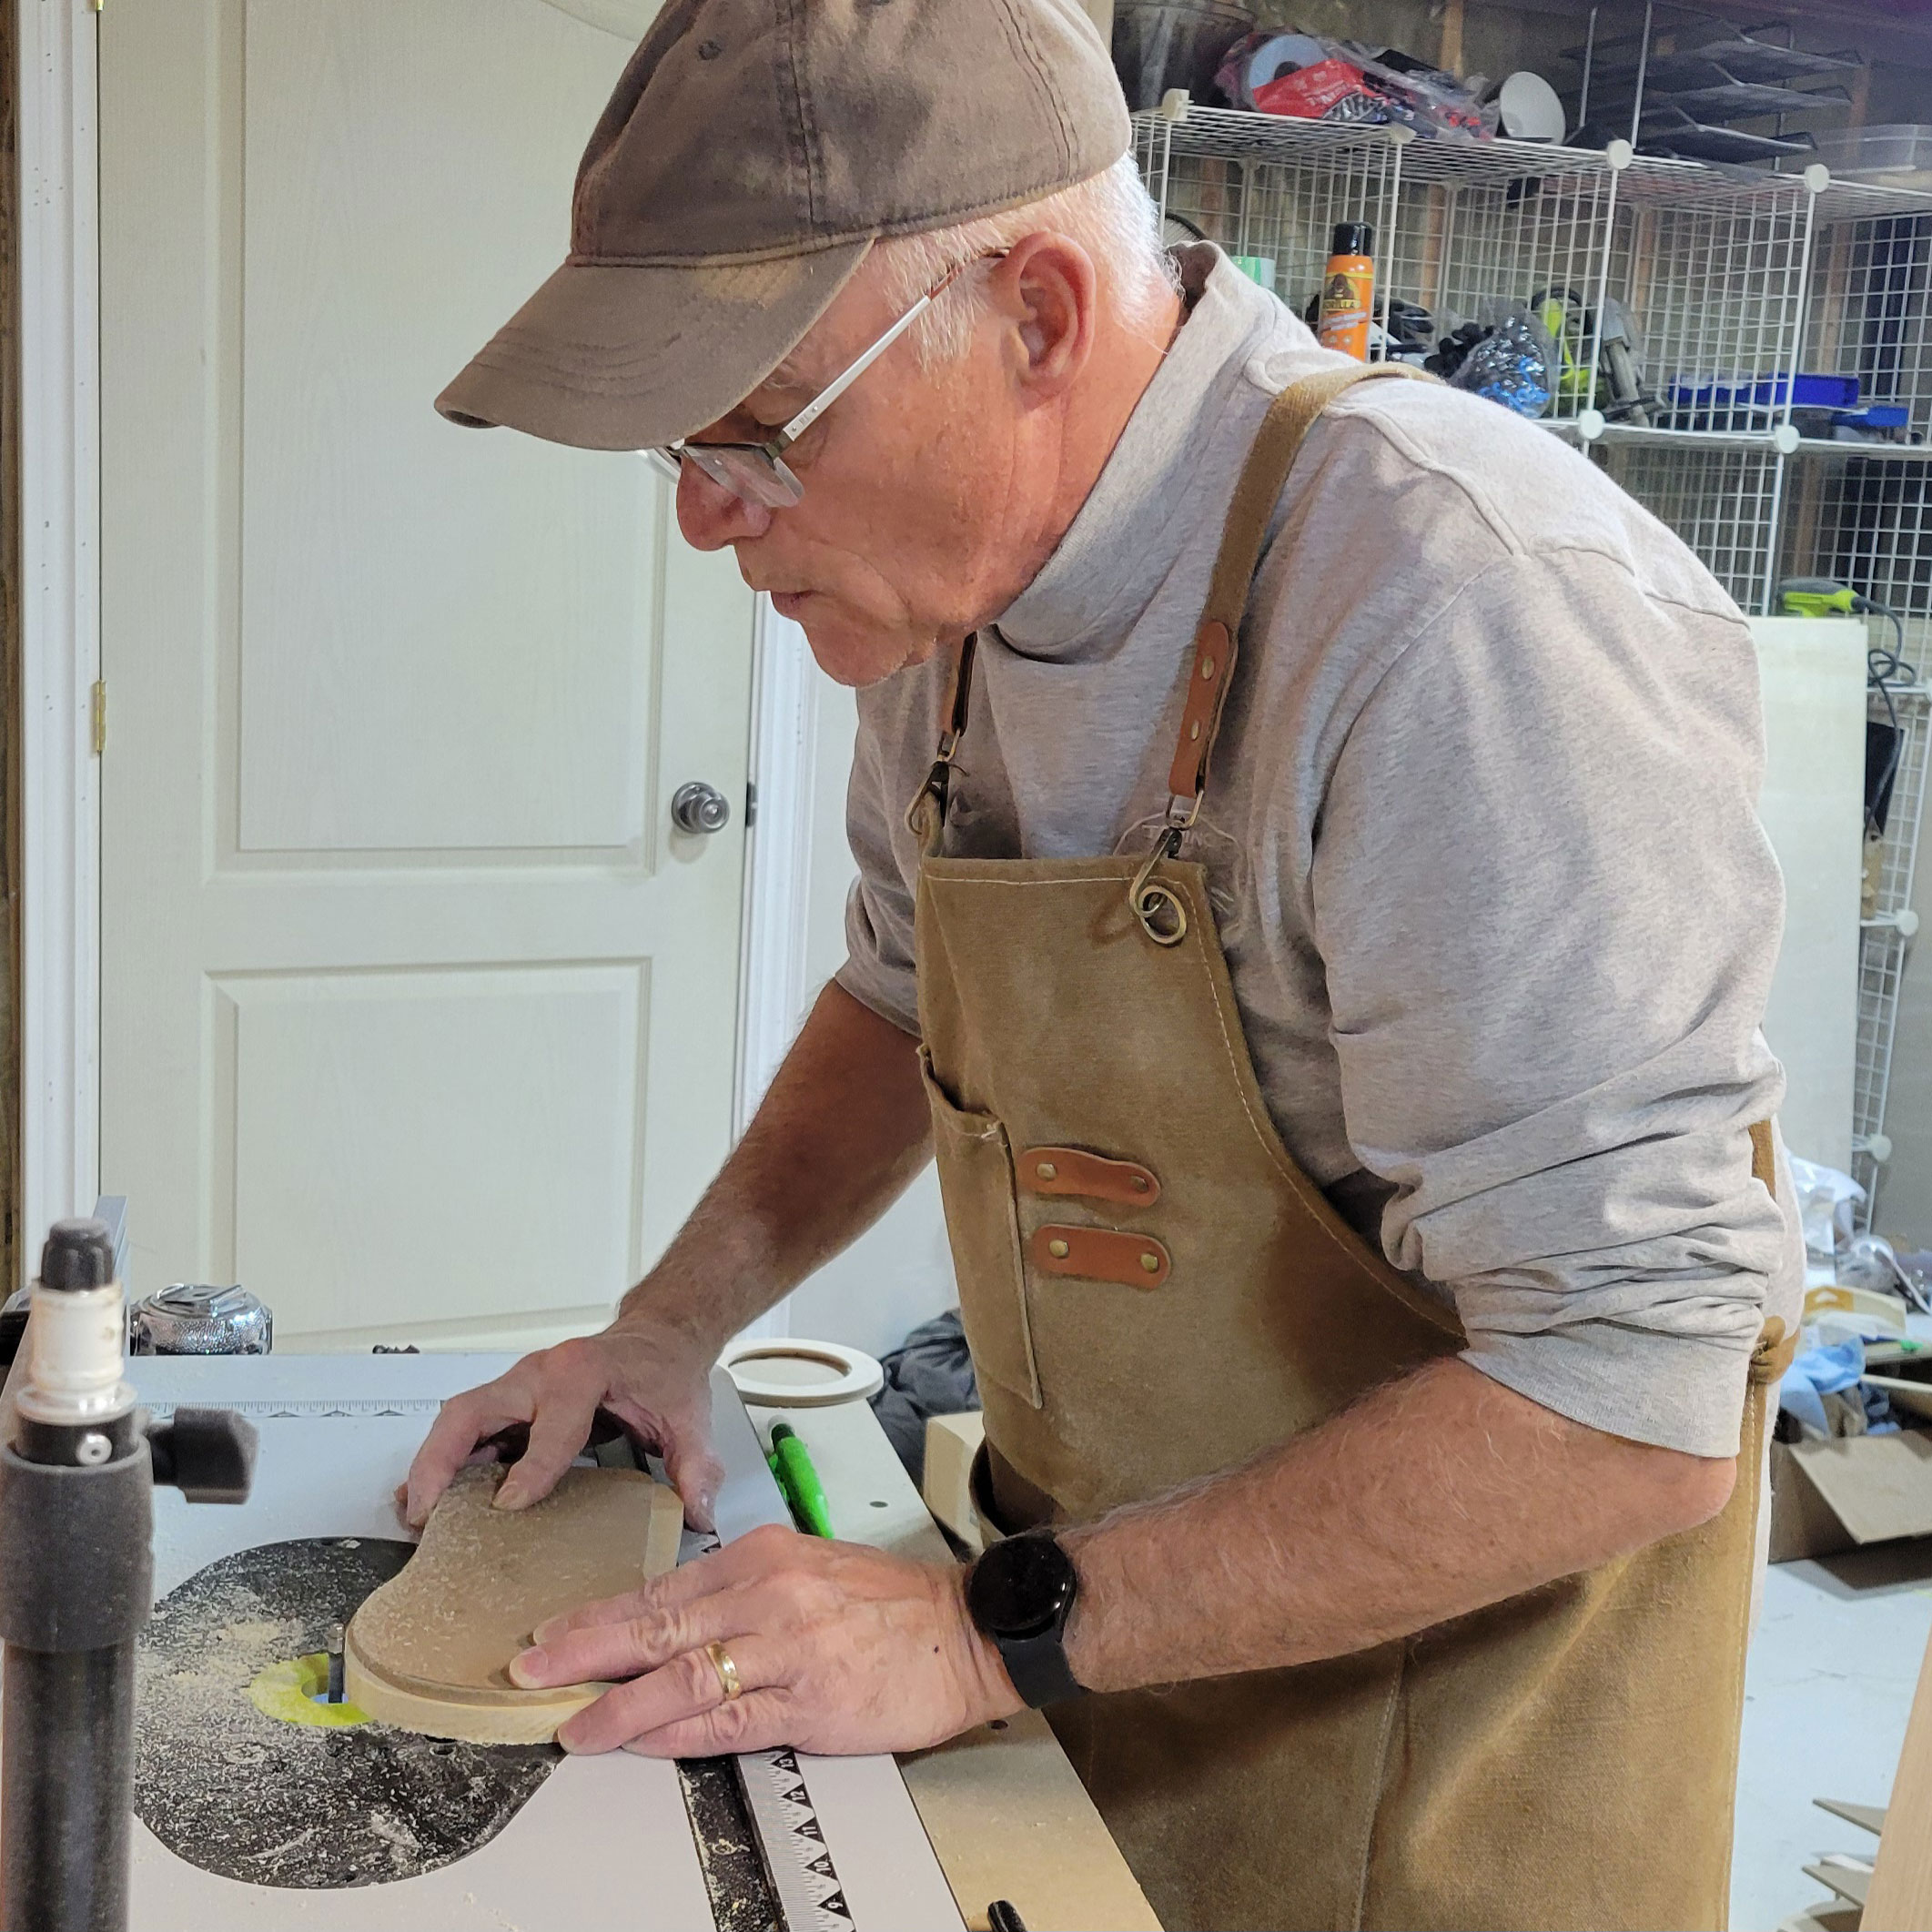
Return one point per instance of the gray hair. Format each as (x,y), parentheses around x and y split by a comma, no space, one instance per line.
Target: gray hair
(1111,214)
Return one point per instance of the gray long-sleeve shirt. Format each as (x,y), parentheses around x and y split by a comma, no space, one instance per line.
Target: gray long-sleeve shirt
(1481,838)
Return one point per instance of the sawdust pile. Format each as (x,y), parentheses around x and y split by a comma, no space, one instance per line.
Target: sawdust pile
(240,1794)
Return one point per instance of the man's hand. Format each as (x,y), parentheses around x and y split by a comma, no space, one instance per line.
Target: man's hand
(654,1379)
(839,1649)
(833,1143)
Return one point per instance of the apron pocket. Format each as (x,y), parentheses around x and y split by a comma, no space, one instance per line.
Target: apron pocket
(982,1222)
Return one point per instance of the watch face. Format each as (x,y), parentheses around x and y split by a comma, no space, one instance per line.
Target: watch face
(1021,1587)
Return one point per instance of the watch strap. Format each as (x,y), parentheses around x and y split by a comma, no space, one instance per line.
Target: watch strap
(1038,1667)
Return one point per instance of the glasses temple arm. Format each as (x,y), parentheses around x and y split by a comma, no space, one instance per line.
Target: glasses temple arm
(840,383)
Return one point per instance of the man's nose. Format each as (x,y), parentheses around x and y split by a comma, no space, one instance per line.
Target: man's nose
(711,516)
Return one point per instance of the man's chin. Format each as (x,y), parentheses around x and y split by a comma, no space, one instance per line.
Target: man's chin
(854,655)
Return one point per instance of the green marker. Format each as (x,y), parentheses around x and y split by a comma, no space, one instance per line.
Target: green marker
(798,1482)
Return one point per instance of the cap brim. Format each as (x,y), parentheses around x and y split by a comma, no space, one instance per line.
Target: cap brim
(611,357)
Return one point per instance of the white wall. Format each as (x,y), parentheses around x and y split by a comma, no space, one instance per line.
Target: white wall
(1904,1188)
(900,1272)
(1811,675)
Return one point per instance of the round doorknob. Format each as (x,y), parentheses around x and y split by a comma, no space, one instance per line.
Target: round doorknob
(700,807)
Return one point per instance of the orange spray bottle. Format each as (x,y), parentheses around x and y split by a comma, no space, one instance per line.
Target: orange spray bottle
(1348,291)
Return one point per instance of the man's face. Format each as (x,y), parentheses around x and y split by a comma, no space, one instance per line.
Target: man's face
(927,493)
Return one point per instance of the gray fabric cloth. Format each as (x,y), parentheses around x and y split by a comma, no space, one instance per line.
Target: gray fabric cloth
(1481,836)
(929,1373)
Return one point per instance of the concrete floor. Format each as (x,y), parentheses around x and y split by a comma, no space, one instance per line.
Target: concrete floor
(1827,1688)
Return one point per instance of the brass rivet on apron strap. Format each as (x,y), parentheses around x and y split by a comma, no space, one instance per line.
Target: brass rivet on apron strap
(1194,731)
(1047,1170)
(1151,1262)
(1139,1182)
(1058,1250)
(1207,669)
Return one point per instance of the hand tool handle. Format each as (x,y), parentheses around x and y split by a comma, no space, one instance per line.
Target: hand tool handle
(792,1465)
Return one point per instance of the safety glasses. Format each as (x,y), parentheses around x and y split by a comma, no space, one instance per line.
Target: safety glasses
(757,472)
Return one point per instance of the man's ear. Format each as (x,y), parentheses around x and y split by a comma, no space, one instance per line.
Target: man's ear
(1046,289)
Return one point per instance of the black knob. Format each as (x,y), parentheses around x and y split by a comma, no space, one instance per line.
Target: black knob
(208,1454)
(78,1254)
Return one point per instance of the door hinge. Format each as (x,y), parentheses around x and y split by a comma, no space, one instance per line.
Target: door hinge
(100,710)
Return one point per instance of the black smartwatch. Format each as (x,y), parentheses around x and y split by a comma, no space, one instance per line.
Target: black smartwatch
(1020,1595)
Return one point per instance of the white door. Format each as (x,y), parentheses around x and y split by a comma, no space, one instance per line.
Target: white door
(419,1014)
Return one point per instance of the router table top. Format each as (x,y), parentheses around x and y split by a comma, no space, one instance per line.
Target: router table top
(600,1840)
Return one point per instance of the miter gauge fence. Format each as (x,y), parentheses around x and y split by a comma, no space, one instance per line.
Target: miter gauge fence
(242,1818)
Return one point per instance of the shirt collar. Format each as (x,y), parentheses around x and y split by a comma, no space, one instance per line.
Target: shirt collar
(1128,534)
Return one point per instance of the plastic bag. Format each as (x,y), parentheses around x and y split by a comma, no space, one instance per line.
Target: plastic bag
(1516,364)
(1309,77)
(1824,1207)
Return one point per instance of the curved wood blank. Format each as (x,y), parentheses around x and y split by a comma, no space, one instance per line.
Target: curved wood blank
(429,1650)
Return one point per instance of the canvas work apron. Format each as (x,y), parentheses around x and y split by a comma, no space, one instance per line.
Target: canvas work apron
(1154,1291)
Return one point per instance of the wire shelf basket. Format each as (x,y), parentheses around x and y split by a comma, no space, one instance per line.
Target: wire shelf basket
(1714,274)
(1724,501)
(1762,313)
(1861,515)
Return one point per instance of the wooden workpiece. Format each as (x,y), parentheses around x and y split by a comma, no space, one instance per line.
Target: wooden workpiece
(1900,1893)
(429,1650)
(1007,1815)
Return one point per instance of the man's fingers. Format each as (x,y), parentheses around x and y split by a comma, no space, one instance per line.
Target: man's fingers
(686,1686)
(557,1435)
(745,1561)
(757,1721)
(683,1438)
(455,1434)
(605,1609)
(652,1634)
(695,1472)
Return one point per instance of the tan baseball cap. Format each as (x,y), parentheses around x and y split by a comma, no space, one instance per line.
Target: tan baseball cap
(753,152)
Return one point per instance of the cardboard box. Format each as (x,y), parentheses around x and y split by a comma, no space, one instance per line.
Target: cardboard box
(1830,1497)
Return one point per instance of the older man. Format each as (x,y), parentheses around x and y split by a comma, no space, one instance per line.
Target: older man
(1354,1145)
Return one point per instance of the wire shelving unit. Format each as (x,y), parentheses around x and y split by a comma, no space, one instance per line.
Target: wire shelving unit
(1862,514)
(1735,282)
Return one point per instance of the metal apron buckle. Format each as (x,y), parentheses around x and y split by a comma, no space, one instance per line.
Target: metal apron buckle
(1163,913)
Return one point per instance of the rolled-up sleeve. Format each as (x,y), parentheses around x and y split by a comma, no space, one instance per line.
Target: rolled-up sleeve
(1549,917)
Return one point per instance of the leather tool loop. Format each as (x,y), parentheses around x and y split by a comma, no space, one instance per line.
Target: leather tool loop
(1200,716)
(1100,1254)
(1087,1176)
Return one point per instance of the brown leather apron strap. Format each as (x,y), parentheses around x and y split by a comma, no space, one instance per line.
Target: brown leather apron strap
(925,816)
(1162,916)
(1289,420)
(1772,1353)
(1283,430)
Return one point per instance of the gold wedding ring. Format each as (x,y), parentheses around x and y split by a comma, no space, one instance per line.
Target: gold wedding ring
(721,1662)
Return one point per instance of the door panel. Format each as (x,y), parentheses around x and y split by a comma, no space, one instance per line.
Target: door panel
(359,243)
(418,1016)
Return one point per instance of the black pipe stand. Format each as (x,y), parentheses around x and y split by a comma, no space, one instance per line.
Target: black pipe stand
(66,1842)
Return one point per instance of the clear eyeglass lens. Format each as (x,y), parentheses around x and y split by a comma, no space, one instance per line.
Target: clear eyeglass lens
(747,473)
